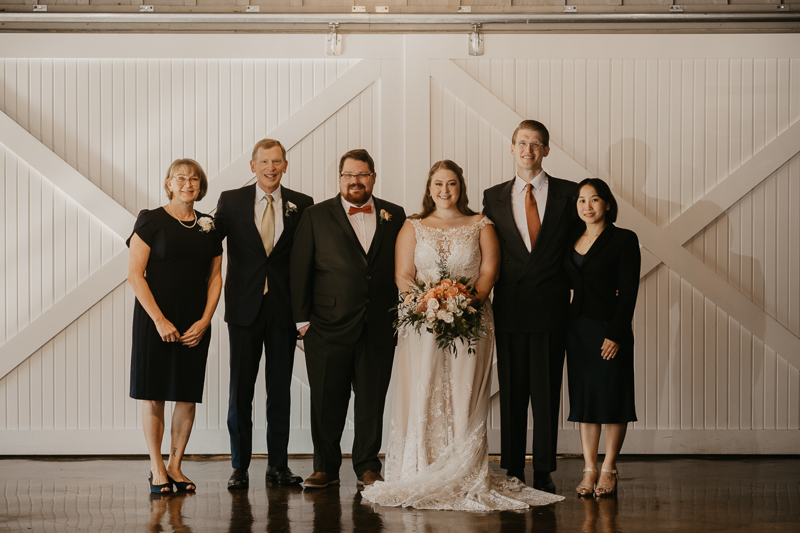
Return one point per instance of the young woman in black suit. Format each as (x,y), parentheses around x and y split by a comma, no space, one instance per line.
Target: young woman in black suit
(603,264)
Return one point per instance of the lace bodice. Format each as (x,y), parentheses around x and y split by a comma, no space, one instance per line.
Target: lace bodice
(438,453)
(459,249)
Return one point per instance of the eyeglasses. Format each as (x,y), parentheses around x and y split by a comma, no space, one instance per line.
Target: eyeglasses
(356,176)
(535,144)
(194,180)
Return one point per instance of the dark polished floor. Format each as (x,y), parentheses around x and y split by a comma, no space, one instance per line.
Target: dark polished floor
(732,494)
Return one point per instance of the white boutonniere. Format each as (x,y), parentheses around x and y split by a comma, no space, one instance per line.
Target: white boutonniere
(290,208)
(385,216)
(206,224)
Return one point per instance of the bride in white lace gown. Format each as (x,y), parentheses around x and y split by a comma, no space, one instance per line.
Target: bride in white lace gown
(438,456)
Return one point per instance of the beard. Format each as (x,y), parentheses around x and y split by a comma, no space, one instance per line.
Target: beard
(357,195)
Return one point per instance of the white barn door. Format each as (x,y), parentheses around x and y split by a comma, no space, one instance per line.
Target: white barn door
(697,135)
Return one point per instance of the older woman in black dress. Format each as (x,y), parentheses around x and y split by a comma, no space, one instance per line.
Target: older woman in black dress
(604,265)
(175,262)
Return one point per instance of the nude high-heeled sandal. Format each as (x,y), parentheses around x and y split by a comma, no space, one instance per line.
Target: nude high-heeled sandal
(587,488)
(607,490)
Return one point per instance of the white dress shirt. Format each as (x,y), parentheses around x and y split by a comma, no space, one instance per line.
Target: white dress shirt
(518,193)
(277,208)
(363,224)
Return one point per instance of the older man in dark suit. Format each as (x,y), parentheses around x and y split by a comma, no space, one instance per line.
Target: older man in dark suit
(259,222)
(343,294)
(533,214)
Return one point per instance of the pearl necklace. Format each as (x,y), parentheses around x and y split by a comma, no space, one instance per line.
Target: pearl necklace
(181,221)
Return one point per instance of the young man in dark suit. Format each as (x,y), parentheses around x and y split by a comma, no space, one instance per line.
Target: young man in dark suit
(259,222)
(343,296)
(533,214)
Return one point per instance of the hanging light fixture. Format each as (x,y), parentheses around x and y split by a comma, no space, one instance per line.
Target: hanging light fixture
(333,44)
(476,41)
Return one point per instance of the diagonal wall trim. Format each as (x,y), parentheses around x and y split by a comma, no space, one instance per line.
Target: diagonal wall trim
(298,126)
(660,243)
(63,313)
(65,177)
(716,289)
(505,119)
(730,190)
(685,226)
(109,212)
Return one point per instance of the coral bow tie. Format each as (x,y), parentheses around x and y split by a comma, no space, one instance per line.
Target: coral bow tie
(366,209)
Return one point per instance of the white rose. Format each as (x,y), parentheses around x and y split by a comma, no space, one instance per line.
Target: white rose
(448,318)
(206,224)
(433,303)
(441,314)
(451,306)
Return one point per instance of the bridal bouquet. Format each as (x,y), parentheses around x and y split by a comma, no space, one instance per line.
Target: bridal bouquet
(444,308)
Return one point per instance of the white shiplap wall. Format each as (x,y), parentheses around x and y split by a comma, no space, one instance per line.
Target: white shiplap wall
(696,134)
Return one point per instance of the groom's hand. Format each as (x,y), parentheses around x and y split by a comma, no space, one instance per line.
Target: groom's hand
(302,331)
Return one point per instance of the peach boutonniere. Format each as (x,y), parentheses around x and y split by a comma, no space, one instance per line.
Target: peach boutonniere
(385,216)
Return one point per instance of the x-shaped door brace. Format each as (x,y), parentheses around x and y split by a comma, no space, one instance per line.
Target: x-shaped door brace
(664,245)
(109,212)
(659,245)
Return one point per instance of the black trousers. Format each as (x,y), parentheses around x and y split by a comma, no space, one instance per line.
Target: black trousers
(332,370)
(530,368)
(247,344)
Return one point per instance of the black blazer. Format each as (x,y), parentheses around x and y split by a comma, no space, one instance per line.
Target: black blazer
(532,292)
(248,264)
(335,284)
(612,264)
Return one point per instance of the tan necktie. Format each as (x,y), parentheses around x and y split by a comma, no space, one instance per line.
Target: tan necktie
(532,215)
(268,229)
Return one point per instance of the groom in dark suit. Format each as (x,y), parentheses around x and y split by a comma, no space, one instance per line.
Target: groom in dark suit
(533,214)
(343,296)
(259,221)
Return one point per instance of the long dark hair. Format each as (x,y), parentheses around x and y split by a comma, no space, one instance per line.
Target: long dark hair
(605,194)
(428,205)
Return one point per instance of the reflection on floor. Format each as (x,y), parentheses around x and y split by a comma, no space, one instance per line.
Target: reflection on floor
(731,494)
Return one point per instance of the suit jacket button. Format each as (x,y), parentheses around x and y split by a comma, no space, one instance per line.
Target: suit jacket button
(367,300)
(509,261)
(369,277)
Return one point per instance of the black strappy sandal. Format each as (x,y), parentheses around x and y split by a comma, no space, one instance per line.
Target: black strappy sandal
(183,486)
(159,489)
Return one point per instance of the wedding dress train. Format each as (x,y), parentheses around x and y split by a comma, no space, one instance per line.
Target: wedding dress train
(438,454)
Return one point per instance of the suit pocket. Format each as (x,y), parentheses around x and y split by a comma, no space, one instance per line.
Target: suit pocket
(323,300)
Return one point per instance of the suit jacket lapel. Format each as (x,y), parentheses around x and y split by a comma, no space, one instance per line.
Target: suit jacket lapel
(380,229)
(288,221)
(341,218)
(601,241)
(246,206)
(505,216)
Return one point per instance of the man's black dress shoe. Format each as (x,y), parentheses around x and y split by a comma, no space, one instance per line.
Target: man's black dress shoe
(281,475)
(544,481)
(239,479)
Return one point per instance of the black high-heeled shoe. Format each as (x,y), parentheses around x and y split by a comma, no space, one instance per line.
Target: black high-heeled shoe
(183,486)
(159,489)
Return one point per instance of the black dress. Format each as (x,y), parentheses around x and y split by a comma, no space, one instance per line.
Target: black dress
(606,284)
(177,274)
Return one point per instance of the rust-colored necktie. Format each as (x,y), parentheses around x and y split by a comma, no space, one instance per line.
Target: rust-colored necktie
(532,215)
